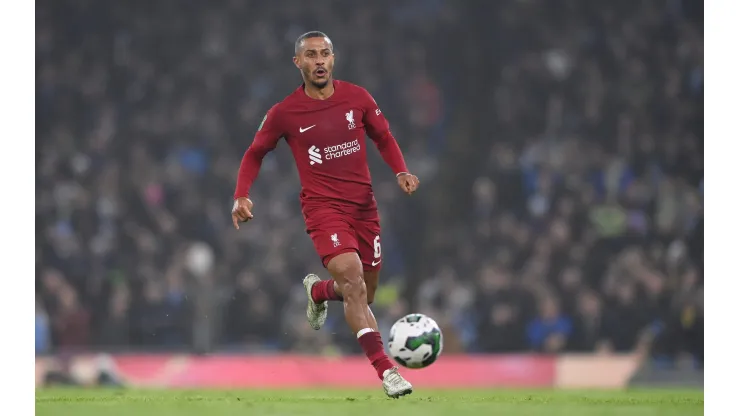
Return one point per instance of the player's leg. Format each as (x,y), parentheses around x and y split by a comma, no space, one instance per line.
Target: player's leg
(346,270)
(326,244)
(368,239)
(368,242)
(331,235)
(322,291)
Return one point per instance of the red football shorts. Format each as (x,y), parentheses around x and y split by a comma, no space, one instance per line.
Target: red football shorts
(335,233)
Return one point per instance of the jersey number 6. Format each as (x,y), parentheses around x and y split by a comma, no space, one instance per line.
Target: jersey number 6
(376,247)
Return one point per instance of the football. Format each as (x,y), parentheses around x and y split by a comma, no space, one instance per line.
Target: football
(415,341)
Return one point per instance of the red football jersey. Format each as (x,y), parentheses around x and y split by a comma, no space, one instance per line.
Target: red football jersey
(327,139)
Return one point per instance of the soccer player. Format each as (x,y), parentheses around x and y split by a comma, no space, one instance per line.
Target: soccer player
(324,122)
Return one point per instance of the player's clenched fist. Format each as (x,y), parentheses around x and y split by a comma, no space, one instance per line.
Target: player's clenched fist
(408,182)
(242,211)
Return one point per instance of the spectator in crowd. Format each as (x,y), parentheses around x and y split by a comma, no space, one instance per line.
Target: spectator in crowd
(549,332)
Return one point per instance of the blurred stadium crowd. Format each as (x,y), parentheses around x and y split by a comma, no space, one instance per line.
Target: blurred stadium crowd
(559,144)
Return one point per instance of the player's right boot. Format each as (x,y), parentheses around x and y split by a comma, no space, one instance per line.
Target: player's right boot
(315,312)
(395,385)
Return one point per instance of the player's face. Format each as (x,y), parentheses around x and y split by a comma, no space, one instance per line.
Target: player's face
(316,61)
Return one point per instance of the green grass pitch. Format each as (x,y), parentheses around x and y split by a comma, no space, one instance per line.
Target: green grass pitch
(98,402)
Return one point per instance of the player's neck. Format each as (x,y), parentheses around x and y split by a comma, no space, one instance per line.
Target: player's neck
(319,93)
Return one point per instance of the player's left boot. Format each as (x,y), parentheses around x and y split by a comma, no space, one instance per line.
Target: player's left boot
(395,385)
(315,312)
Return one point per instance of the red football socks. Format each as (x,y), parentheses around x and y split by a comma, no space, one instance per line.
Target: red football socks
(324,290)
(370,340)
(372,345)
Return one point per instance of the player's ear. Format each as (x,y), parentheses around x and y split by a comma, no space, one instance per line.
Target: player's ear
(295,61)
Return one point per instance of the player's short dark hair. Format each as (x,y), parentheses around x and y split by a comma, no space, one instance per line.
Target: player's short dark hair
(308,35)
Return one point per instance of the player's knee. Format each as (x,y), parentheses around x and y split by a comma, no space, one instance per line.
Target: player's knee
(353,287)
(347,271)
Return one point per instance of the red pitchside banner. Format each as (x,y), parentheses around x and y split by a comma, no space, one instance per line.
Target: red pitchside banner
(301,371)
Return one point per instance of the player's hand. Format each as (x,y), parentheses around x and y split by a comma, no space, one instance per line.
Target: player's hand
(408,182)
(242,211)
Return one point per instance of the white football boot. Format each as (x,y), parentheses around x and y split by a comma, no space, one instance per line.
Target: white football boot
(395,385)
(315,312)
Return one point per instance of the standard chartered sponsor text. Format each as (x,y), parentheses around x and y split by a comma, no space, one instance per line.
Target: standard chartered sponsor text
(344,149)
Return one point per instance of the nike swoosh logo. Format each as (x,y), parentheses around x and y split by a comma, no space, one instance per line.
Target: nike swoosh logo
(301,129)
(375,263)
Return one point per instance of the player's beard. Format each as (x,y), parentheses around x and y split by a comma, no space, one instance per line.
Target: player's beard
(319,84)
